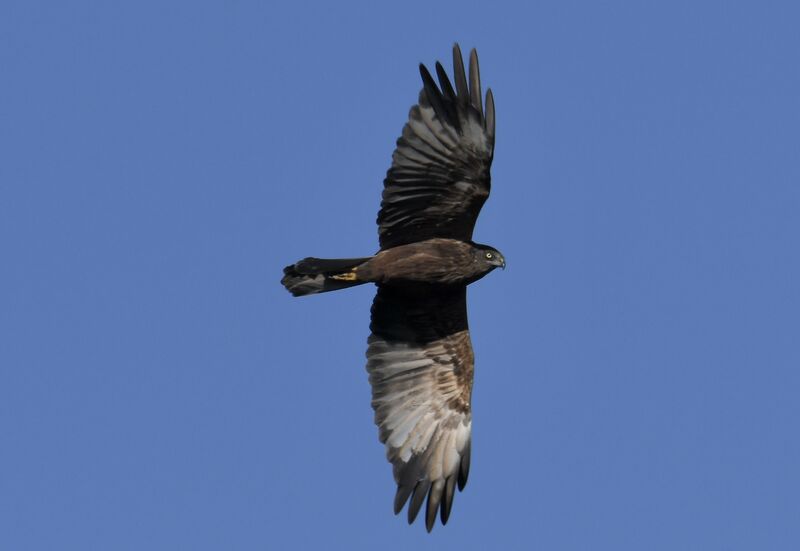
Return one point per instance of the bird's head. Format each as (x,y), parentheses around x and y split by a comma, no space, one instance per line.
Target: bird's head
(490,257)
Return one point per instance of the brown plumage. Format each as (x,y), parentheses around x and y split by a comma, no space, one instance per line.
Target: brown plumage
(419,356)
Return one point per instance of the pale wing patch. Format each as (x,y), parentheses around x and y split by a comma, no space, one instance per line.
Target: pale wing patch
(421,396)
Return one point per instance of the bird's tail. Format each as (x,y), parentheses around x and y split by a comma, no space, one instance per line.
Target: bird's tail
(320,275)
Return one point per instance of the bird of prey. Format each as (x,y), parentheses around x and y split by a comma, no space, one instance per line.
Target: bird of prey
(419,355)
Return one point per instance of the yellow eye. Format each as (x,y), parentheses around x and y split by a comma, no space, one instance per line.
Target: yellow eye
(489,256)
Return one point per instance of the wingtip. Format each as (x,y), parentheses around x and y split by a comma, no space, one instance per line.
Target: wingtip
(427,78)
(462,88)
(430,517)
(475,81)
(447,499)
(434,503)
(400,498)
(463,471)
(417,499)
(490,116)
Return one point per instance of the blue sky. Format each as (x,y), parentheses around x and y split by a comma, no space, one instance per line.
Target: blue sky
(638,365)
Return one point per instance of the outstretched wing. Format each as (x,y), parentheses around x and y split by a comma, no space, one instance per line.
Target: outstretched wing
(420,366)
(439,178)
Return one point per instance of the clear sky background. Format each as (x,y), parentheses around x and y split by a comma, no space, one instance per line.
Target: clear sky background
(638,363)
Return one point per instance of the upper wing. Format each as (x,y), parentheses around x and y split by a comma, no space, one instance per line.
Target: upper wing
(420,366)
(439,178)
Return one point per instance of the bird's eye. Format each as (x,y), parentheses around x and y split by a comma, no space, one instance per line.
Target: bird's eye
(489,256)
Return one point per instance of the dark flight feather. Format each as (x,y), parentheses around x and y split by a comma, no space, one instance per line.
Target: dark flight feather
(417,499)
(444,84)
(460,77)
(447,501)
(439,178)
(434,500)
(449,94)
(490,114)
(475,82)
(435,99)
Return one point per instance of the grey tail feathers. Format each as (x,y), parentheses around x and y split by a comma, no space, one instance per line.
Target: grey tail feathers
(320,275)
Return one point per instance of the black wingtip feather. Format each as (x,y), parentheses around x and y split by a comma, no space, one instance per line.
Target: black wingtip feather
(434,95)
(490,113)
(459,76)
(434,500)
(444,83)
(447,499)
(450,100)
(463,471)
(475,82)
(420,492)
(401,497)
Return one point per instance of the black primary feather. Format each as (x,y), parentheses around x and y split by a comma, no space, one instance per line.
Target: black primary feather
(490,113)
(447,501)
(460,77)
(475,82)
(417,499)
(439,178)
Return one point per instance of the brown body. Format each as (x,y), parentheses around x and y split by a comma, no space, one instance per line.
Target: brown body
(434,261)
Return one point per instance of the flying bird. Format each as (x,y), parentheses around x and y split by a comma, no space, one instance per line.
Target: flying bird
(419,355)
